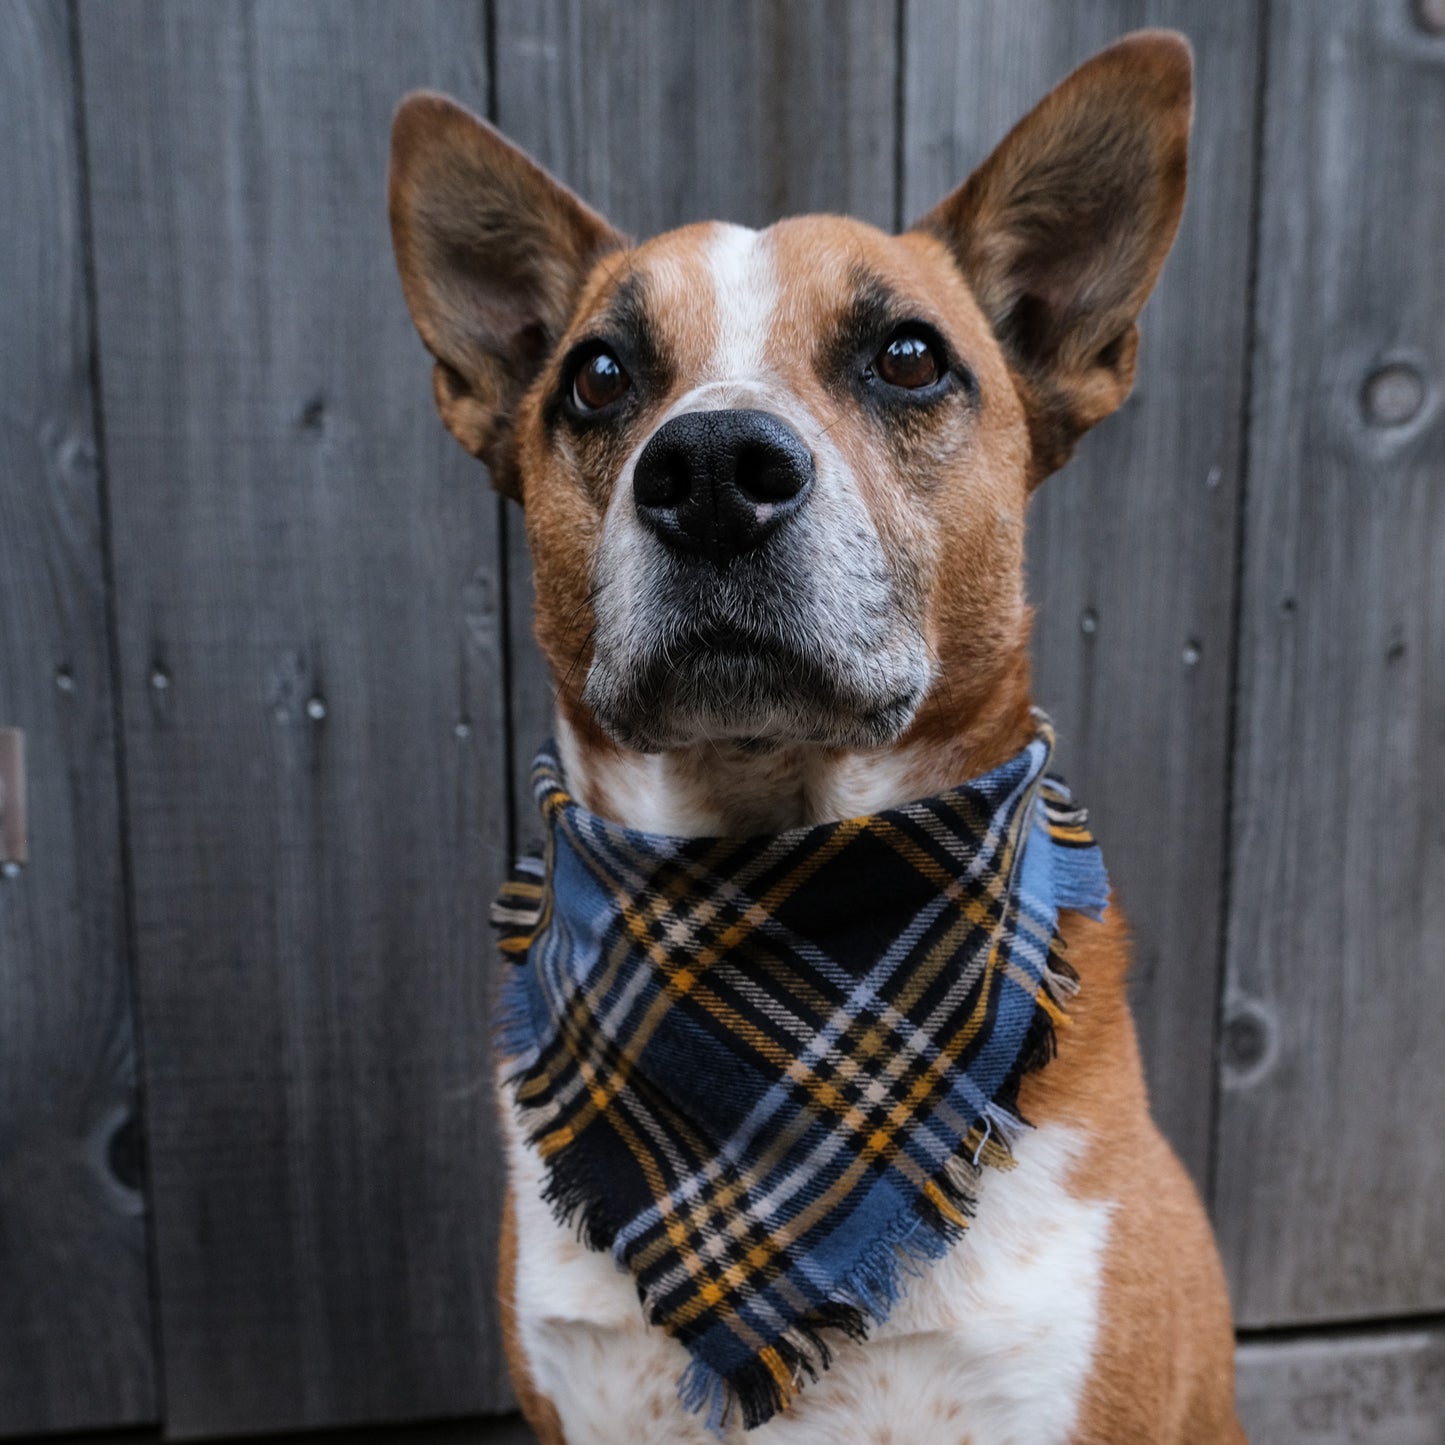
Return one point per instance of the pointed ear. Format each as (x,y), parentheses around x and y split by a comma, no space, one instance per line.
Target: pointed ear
(1062,231)
(492,253)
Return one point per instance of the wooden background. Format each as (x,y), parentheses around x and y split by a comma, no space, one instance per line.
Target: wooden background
(266,630)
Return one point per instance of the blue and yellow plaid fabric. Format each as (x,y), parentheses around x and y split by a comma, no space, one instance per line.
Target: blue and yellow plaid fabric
(765,1072)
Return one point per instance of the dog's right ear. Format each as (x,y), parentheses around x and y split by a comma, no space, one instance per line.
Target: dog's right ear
(492,253)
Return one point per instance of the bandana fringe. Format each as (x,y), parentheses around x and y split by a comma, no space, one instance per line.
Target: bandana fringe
(515,1033)
(573,1191)
(704,1392)
(1081,881)
(865,1297)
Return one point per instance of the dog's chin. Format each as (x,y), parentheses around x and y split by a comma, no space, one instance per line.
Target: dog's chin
(754,698)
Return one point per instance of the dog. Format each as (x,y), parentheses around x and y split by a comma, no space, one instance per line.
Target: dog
(838,630)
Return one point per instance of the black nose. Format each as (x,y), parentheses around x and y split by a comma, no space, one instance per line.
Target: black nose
(717,482)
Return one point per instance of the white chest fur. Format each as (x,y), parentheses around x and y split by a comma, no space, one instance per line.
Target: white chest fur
(991,1346)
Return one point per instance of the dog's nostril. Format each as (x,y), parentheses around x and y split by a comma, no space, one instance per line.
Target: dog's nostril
(663,483)
(765,476)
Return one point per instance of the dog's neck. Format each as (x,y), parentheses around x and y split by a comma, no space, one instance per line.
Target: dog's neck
(718,788)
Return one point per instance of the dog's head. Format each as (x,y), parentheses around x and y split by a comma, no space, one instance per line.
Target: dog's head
(775,481)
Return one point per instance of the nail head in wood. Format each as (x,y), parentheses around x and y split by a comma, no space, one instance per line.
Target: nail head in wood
(123,1152)
(1395,393)
(315,708)
(14,839)
(1245,1040)
(1430,16)
(1089,622)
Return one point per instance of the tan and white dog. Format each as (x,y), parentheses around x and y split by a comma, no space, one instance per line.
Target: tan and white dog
(804,603)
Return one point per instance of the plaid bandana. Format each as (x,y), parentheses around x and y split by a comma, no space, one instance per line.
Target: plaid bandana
(766,1073)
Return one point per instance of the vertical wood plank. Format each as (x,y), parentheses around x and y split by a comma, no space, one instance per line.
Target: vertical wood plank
(1131,548)
(660,114)
(508,1429)
(1382,1388)
(75,1325)
(1332,1173)
(308,606)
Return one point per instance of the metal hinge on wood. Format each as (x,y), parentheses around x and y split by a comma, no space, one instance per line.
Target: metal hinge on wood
(14,844)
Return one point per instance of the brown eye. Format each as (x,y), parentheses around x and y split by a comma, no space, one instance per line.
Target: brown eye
(909,361)
(599,382)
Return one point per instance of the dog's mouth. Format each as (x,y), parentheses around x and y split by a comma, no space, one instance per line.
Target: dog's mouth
(744,665)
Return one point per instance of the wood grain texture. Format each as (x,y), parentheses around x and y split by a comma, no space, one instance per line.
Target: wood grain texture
(1384,1388)
(315,595)
(75,1324)
(1131,548)
(307,592)
(660,114)
(1332,1171)
(508,1429)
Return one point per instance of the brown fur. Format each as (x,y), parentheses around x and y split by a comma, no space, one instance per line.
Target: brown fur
(1063,230)
(539,1411)
(1166,1348)
(1034,270)
(492,252)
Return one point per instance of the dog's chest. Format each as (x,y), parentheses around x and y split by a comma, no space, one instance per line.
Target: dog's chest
(992,1345)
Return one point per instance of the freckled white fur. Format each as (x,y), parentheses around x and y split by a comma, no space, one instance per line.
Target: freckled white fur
(653,804)
(857,784)
(993,1344)
(657,792)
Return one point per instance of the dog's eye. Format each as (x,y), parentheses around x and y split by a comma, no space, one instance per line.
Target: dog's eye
(908,360)
(599,382)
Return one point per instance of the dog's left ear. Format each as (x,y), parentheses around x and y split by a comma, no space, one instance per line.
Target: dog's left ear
(1062,231)
(493,253)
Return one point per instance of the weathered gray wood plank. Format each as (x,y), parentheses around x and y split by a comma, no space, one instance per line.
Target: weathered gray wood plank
(660,114)
(1332,1172)
(507,1429)
(1385,1388)
(308,607)
(75,1327)
(1132,547)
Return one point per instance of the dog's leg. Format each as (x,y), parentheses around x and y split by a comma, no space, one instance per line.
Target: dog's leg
(539,1411)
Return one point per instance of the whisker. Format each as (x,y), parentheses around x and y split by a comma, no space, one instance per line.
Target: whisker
(585,644)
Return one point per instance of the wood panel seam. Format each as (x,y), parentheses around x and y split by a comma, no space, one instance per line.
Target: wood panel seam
(117,701)
(900,98)
(1236,621)
(1366,1327)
